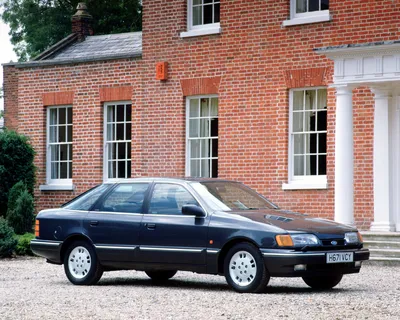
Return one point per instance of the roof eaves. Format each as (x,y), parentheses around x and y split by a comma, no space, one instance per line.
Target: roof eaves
(44,63)
(73,37)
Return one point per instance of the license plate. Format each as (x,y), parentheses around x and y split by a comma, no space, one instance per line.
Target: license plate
(339,257)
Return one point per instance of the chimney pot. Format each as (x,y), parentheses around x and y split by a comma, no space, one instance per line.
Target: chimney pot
(82,22)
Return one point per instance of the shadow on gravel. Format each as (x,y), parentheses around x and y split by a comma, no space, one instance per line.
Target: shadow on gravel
(166,284)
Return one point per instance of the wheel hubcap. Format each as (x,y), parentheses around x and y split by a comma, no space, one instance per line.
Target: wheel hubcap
(79,262)
(242,268)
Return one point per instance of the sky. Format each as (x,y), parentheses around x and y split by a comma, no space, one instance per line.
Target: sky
(6,52)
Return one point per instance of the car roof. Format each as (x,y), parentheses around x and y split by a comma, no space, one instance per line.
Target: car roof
(168,179)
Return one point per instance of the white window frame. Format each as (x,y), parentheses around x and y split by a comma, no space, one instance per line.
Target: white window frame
(55,184)
(306,17)
(105,147)
(188,154)
(300,182)
(199,30)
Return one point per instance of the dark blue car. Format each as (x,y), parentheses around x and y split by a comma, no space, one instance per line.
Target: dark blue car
(211,226)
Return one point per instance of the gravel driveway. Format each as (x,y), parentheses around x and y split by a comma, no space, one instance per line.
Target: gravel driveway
(33,289)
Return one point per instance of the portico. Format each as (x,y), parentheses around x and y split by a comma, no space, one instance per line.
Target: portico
(377,66)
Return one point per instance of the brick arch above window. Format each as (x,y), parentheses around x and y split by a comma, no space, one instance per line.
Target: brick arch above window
(200,86)
(311,77)
(58,98)
(116,94)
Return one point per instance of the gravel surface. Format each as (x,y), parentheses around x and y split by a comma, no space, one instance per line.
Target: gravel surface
(33,289)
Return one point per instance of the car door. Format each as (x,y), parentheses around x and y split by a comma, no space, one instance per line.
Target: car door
(114,224)
(167,236)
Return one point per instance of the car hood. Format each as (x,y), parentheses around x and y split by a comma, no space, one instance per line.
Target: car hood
(294,222)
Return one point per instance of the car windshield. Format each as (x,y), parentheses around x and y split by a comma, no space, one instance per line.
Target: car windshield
(86,200)
(228,196)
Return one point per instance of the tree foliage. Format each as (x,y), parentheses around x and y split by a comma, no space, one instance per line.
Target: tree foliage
(7,240)
(38,24)
(16,164)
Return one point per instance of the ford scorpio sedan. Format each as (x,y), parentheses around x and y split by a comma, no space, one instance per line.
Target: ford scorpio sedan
(212,226)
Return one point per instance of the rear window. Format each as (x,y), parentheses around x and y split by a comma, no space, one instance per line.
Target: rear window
(86,200)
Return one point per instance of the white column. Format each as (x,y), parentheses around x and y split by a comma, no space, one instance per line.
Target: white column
(382,219)
(344,198)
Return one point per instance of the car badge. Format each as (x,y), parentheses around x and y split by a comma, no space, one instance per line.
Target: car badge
(334,243)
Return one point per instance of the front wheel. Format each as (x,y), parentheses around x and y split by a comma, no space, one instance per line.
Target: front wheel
(323,282)
(81,265)
(160,275)
(245,270)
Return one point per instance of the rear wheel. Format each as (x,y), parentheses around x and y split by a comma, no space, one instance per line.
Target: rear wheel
(324,282)
(161,275)
(81,265)
(245,270)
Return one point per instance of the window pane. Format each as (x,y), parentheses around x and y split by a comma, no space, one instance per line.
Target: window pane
(322,143)
(301,6)
(110,113)
(110,132)
(54,170)
(120,131)
(194,149)
(214,148)
(311,143)
(64,152)
(194,108)
(298,122)
(299,144)
(62,134)
(216,13)
(112,169)
(53,116)
(204,128)
(122,151)
(310,100)
(214,107)
(311,165)
(54,153)
(204,108)
(69,115)
(298,100)
(63,170)
(208,14)
(195,168)
(129,167)
(128,132)
(309,121)
(197,16)
(112,151)
(214,168)
(70,152)
(121,169)
(205,148)
(321,125)
(70,170)
(205,168)
(128,112)
(313,5)
(194,128)
(53,134)
(322,164)
(128,156)
(214,127)
(62,115)
(298,165)
(324,4)
(196,2)
(321,99)
(69,134)
(120,113)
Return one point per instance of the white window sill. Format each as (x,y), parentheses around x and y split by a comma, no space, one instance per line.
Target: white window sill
(200,32)
(303,185)
(57,187)
(322,17)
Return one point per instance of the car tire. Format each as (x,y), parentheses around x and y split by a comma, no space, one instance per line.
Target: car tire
(323,282)
(81,265)
(161,275)
(245,270)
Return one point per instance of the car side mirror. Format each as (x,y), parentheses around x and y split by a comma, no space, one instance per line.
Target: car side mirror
(193,210)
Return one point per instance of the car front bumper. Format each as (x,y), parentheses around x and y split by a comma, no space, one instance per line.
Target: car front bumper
(51,250)
(281,263)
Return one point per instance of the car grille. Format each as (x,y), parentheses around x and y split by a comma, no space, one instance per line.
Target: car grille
(328,246)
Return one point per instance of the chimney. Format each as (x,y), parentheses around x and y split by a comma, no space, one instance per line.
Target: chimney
(82,22)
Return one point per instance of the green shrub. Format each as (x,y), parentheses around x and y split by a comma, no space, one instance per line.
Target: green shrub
(7,240)
(20,214)
(16,164)
(24,244)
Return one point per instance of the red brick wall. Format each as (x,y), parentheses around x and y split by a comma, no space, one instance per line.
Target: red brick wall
(251,57)
(86,86)
(10,90)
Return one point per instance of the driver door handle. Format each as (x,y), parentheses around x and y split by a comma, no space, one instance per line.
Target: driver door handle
(94,223)
(150,226)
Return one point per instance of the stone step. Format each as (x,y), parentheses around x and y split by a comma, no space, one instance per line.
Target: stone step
(377,244)
(380,236)
(382,252)
(384,247)
(383,261)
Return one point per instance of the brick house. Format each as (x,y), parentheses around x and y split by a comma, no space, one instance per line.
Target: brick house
(297,98)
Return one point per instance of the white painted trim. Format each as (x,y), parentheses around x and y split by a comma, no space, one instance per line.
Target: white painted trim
(305,186)
(57,187)
(216,29)
(308,19)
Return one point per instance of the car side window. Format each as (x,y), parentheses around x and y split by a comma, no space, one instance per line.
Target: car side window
(169,199)
(126,198)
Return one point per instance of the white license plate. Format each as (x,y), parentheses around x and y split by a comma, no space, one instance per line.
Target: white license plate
(339,257)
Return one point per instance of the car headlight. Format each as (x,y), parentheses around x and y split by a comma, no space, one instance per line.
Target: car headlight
(297,240)
(353,237)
